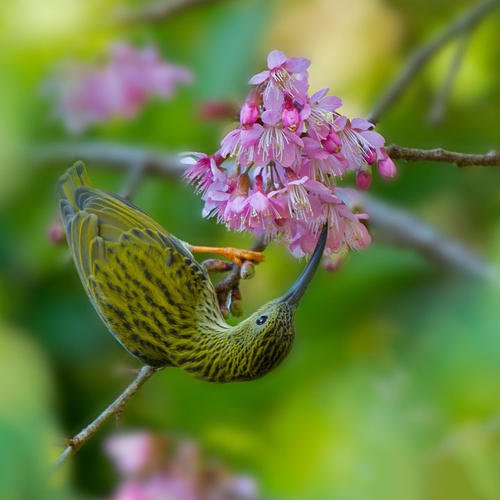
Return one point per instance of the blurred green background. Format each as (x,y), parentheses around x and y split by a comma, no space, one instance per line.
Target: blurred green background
(392,390)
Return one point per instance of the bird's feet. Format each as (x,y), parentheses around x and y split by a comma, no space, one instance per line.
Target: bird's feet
(235,255)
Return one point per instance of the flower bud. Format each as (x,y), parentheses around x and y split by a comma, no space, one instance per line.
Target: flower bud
(363,179)
(334,262)
(249,114)
(290,117)
(247,270)
(387,168)
(55,234)
(370,156)
(332,142)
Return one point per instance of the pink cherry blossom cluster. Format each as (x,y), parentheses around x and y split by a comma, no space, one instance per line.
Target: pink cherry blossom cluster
(276,173)
(87,94)
(156,466)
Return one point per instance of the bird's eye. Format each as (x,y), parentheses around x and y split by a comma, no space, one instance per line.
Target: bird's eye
(261,320)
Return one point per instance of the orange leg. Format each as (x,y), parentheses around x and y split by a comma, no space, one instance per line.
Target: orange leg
(234,254)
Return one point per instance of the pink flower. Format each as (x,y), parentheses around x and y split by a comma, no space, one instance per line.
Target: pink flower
(178,471)
(204,170)
(386,166)
(277,144)
(242,143)
(282,164)
(301,239)
(324,162)
(88,94)
(345,228)
(322,113)
(285,76)
(290,117)
(256,211)
(132,453)
(250,110)
(363,179)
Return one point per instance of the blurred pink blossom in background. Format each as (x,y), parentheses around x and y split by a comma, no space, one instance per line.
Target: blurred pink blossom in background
(157,467)
(276,174)
(86,94)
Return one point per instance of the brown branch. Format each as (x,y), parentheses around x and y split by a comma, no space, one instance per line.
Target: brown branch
(464,23)
(490,159)
(76,442)
(156,12)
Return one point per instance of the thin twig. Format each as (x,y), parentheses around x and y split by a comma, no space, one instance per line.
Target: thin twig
(156,12)
(490,159)
(421,56)
(75,443)
(398,227)
(437,111)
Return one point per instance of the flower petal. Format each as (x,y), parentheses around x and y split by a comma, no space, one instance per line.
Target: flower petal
(297,64)
(374,138)
(317,96)
(259,78)
(361,124)
(275,59)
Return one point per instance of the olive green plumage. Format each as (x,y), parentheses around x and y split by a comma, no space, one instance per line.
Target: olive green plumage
(155,298)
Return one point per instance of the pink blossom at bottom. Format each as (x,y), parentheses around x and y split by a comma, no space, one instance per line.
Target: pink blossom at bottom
(176,470)
(157,487)
(131,452)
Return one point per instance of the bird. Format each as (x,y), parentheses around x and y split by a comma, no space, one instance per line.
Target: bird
(158,301)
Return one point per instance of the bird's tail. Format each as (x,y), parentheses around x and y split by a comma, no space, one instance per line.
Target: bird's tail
(76,176)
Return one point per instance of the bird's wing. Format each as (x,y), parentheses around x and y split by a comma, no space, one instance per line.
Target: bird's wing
(145,283)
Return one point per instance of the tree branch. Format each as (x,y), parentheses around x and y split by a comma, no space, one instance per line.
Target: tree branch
(109,154)
(396,225)
(490,159)
(400,228)
(465,22)
(75,443)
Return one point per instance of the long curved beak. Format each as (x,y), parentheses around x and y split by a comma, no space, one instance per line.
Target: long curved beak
(294,294)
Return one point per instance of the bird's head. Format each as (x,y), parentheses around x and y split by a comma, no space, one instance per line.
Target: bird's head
(271,328)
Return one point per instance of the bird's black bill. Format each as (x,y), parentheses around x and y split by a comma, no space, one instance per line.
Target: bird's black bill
(295,293)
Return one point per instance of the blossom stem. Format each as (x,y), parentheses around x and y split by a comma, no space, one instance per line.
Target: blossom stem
(76,442)
(424,54)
